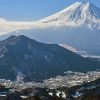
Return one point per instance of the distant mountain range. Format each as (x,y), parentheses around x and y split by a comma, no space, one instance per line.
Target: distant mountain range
(77,25)
(24,58)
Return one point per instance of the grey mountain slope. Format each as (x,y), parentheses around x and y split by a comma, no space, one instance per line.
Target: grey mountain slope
(38,61)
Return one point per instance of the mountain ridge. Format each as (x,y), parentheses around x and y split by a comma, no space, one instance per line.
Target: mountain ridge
(21,56)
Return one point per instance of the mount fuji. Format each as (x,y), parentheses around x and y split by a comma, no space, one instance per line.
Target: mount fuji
(79,13)
(77,26)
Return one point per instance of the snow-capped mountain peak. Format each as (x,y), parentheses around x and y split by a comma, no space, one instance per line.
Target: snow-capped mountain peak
(77,14)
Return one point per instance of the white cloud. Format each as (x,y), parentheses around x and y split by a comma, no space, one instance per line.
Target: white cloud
(9,26)
(2,20)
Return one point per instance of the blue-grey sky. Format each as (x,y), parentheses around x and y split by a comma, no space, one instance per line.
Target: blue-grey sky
(29,10)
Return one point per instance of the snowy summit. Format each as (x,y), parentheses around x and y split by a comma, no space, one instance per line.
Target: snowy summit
(79,13)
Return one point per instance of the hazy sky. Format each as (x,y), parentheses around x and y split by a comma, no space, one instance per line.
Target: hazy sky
(29,10)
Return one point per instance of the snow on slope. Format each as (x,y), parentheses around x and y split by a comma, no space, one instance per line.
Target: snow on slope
(68,47)
(79,13)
